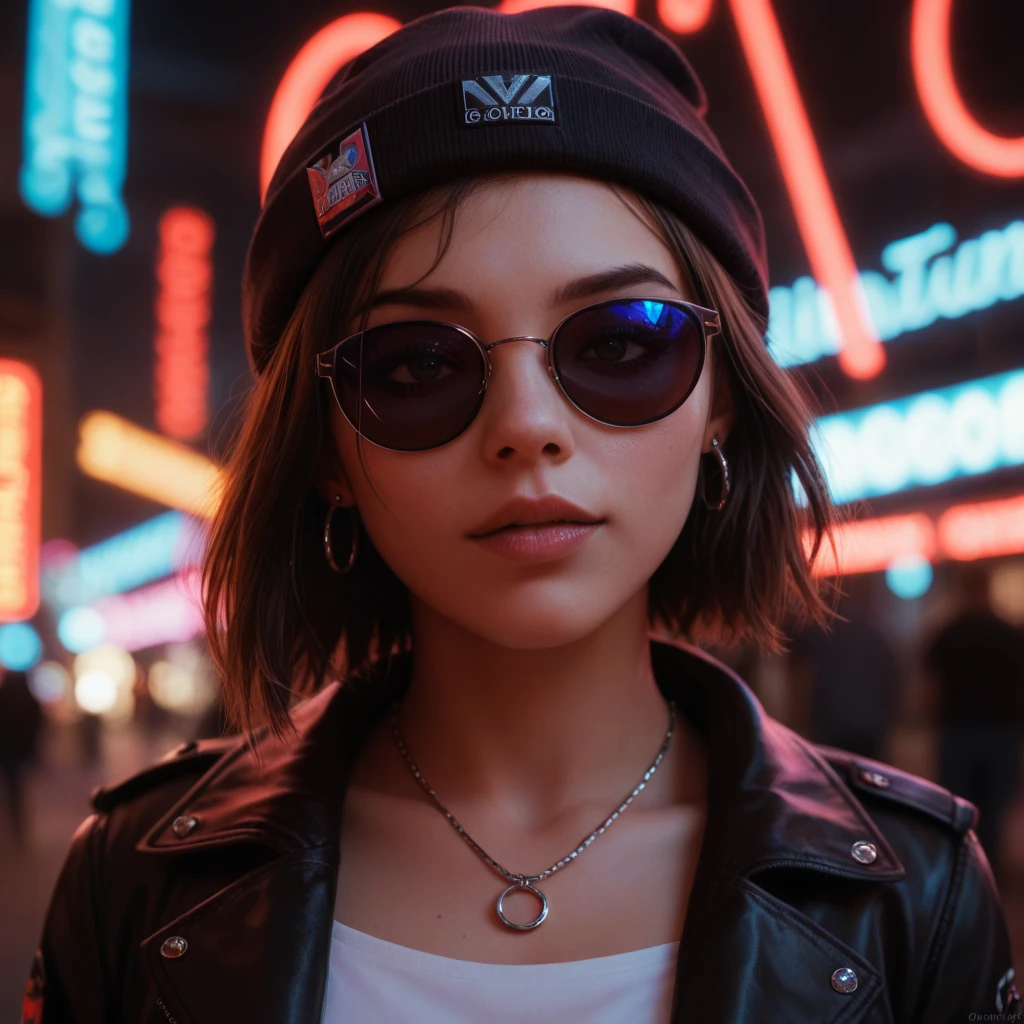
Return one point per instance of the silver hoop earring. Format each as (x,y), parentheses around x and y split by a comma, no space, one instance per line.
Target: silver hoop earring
(328,551)
(724,468)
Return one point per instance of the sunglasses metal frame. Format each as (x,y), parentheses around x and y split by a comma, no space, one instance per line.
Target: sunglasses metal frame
(708,319)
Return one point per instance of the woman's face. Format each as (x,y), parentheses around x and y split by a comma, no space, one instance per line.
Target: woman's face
(514,245)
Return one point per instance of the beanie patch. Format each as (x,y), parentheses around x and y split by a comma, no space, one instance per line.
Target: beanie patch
(507,99)
(343,181)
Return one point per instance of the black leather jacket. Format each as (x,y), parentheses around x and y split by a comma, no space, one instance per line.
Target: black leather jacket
(830,889)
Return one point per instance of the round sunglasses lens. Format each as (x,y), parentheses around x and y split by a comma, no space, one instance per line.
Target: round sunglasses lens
(410,386)
(629,362)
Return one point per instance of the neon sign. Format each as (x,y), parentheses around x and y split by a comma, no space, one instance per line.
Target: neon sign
(166,612)
(985,529)
(924,439)
(21,428)
(943,105)
(147,552)
(76,116)
(184,279)
(867,545)
(980,529)
(117,451)
(928,282)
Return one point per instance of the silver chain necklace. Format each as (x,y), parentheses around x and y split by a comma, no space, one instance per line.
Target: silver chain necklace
(524,881)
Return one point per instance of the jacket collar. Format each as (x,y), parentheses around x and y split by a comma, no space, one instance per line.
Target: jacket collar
(258,949)
(773,800)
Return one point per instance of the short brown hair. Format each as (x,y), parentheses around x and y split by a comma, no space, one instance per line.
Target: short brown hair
(280,622)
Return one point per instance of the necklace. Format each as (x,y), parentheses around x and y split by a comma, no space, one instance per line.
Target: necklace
(520,881)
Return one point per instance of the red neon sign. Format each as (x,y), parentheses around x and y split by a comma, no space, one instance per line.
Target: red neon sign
(684,16)
(868,545)
(21,470)
(984,529)
(311,70)
(943,105)
(184,274)
(978,529)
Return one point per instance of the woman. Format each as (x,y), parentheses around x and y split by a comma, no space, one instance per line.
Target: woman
(506,305)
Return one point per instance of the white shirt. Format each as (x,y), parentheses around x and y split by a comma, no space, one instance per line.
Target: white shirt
(372,981)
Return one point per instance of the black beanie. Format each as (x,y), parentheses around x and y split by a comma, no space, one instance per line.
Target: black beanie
(469,90)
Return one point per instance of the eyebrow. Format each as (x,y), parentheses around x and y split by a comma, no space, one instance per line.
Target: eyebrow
(580,288)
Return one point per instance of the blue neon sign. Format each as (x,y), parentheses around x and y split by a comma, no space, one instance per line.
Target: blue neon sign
(76,116)
(927,281)
(923,439)
(147,552)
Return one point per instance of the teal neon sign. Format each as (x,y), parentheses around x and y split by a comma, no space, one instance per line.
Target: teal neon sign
(928,277)
(147,552)
(76,116)
(923,439)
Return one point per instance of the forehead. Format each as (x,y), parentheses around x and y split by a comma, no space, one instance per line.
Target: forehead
(531,232)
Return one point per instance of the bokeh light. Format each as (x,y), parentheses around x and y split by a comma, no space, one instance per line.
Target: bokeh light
(50,682)
(105,682)
(80,629)
(909,577)
(20,646)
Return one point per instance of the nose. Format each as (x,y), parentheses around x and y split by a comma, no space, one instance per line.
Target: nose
(525,415)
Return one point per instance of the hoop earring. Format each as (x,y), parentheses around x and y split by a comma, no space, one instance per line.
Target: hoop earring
(328,551)
(724,468)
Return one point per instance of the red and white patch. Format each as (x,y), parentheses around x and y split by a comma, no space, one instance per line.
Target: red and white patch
(343,181)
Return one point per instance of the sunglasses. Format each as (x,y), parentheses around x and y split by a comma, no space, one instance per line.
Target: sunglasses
(418,384)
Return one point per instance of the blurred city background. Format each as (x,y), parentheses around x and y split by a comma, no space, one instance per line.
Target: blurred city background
(884,142)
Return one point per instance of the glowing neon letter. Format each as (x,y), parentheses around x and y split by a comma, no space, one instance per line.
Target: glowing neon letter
(943,105)
(21,423)
(828,249)
(76,116)
(184,279)
(929,283)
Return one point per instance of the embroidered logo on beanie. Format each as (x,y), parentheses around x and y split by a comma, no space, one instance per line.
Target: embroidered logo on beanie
(343,181)
(507,99)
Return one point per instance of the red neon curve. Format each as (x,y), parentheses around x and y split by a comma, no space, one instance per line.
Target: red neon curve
(310,70)
(684,16)
(821,228)
(943,105)
(516,6)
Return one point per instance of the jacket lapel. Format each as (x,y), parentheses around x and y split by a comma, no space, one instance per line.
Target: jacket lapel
(258,949)
(748,957)
(773,802)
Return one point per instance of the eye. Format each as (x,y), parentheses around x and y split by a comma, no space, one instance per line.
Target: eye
(613,349)
(420,366)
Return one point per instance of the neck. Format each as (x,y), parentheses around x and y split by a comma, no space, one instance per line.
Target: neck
(533,733)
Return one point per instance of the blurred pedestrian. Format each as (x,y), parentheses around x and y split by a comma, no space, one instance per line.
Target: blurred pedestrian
(976,663)
(21,721)
(848,678)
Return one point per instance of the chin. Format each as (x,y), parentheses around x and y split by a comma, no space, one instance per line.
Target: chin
(537,624)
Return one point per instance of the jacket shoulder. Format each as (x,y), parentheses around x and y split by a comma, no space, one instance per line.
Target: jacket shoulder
(876,780)
(189,759)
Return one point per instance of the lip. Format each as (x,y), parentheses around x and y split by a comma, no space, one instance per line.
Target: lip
(540,511)
(532,544)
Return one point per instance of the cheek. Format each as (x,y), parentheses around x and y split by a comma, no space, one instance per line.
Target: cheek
(407,502)
(654,476)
